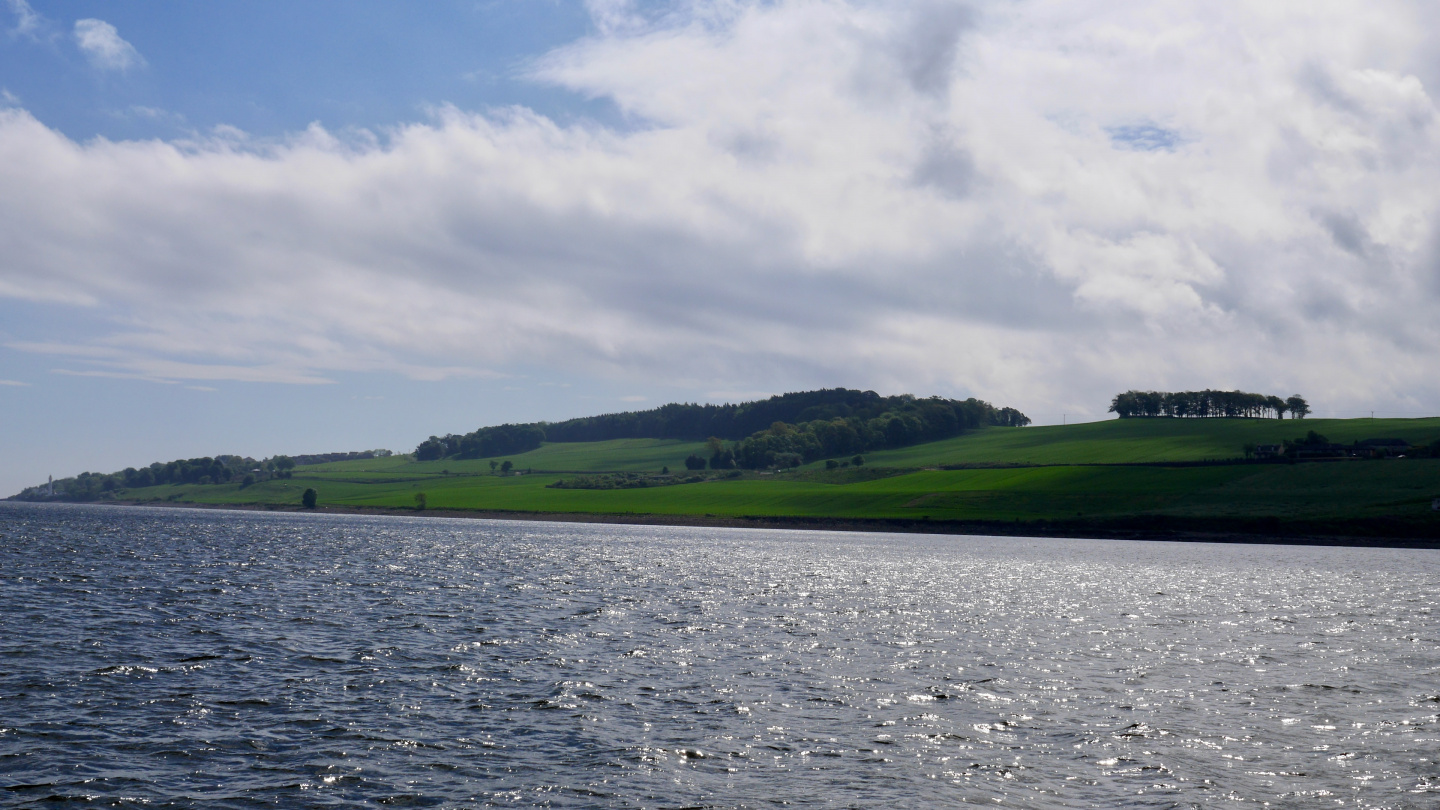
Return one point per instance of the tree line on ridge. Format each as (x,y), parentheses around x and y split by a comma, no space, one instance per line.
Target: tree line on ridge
(784,430)
(1207,404)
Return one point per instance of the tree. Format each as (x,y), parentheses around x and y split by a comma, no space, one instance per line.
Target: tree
(694,462)
(1297,406)
(309,498)
(506,466)
(432,449)
(248,480)
(722,460)
(831,464)
(420,501)
(665,470)
(858,461)
(493,465)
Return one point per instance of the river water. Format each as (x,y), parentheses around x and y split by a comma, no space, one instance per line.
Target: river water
(187,658)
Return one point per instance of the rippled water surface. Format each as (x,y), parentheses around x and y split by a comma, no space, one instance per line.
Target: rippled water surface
(178,658)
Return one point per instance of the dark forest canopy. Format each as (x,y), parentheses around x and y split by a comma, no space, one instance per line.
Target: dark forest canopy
(829,421)
(1202,404)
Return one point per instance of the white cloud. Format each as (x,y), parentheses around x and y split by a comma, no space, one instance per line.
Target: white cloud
(1040,203)
(15,383)
(27,22)
(102,45)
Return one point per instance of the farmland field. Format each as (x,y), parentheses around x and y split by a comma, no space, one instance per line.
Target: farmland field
(1087,474)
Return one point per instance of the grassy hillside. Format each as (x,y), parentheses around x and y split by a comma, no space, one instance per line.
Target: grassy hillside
(1065,482)
(1122,441)
(617,455)
(1341,490)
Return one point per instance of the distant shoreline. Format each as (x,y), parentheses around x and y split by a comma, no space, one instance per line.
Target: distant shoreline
(1140,528)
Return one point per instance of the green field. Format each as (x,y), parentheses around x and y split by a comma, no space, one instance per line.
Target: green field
(1084,480)
(618,455)
(1128,441)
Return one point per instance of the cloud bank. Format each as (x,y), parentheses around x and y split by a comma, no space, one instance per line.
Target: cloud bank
(1041,203)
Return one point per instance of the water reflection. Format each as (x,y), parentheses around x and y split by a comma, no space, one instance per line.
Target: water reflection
(187,658)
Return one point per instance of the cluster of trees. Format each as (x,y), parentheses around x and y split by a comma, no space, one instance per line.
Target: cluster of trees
(621,481)
(223,469)
(908,421)
(501,440)
(326,458)
(730,422)
(692,422)
(1431,450)
(1316,445)
(1200,404)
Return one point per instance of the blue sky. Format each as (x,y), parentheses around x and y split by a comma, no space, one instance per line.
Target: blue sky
(273,71)
(319,226)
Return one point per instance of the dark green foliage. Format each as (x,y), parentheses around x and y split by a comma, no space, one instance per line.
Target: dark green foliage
(723,460)
(420,501)
(1313,445)
(327,458)
(694,462)
(617,481)
(909,421)
(1431,450)
(309,498)
(501,440)
(506,466)
(858,461)
(1207,403)
(696,422)
(831,464)
(97,486)
(1009,417)
(692,422)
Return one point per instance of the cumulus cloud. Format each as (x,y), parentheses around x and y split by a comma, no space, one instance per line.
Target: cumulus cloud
(103,46)
(1040,203)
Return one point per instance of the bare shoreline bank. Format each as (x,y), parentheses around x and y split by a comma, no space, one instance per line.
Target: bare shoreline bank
(1140,528)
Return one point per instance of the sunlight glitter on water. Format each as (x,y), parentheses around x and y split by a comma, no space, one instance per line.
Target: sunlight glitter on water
(204,659)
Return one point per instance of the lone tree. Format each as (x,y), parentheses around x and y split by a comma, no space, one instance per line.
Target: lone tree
(1297,406)
(506,466)
(694,462)
(309,497)
(420,501)
(493,465)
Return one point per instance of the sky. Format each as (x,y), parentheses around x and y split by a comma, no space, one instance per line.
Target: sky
(323,226)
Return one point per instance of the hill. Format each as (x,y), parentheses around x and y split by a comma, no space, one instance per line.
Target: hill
(1129,477)
(815,423)
(1138,441)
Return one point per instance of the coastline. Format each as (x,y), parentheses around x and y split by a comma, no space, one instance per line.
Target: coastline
(1241,531)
